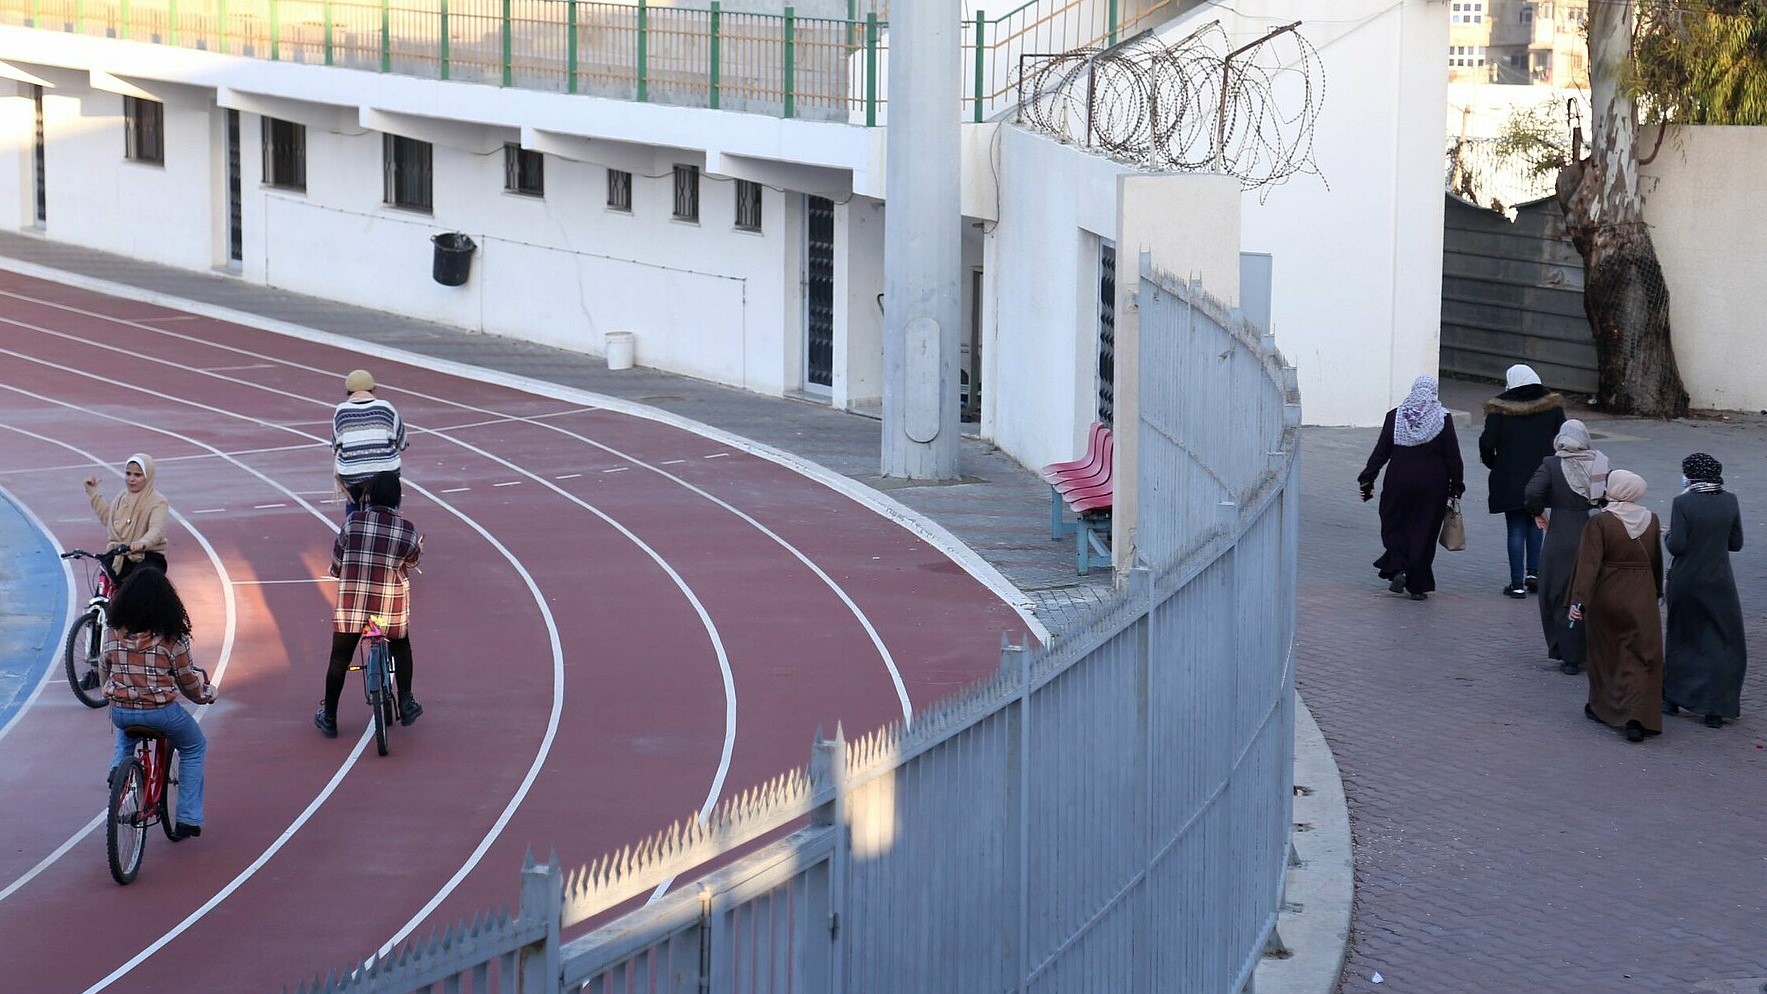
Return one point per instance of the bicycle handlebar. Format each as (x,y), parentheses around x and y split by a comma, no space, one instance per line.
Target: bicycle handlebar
(102,558)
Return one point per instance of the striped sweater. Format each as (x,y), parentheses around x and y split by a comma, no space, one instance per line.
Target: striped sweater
(366,438)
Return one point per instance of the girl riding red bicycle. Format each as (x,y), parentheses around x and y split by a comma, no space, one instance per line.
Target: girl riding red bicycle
(372,560)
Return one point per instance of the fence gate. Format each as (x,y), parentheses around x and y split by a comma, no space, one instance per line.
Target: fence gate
(235,222)
(818,294)
(1513,292)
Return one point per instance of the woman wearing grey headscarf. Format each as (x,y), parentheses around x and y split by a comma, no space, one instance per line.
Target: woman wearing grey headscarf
(1704,654)
(1569,485)
(1421,456)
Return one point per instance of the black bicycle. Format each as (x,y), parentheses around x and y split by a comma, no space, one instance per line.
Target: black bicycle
(85,637)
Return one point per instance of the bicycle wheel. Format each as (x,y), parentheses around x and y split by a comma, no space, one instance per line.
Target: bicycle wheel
(378,701)
(85,639)
(168,806)
(125,833)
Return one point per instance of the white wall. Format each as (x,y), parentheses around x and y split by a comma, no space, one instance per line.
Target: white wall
(858,351)
(1703,205)
(1358,258)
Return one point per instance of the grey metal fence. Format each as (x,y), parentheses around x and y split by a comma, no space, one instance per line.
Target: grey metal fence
(1109,813)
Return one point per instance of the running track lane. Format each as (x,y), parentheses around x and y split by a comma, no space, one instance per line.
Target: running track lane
(642,717)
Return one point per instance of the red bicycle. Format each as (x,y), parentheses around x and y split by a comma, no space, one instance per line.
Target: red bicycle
(85,637)
(143,790)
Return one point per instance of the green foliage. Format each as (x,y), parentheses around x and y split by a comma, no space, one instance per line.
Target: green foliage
(1701,62)
(1537,135)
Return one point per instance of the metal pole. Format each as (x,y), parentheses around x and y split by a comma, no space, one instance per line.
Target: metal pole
(923,241)
(275,31)
(570,46)
(386,36)
(328,52)
(790,81)
(643,51)
(871,70)
(445,55)
(508,72)
(712,95)
(981,52)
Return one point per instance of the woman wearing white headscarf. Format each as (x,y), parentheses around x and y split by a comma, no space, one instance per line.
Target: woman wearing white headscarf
(1520,424)
(1569,486)
(1421,454)
(137,518)
(1618,581)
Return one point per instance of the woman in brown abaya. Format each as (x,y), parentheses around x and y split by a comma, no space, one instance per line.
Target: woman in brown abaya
(1614,590)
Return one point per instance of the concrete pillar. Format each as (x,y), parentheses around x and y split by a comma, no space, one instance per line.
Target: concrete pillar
(923,242)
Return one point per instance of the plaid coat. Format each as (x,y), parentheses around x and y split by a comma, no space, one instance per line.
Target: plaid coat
(372,559)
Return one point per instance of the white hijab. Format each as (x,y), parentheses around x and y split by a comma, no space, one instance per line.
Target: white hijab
(1419,416)
(1520,375)
(1624,490)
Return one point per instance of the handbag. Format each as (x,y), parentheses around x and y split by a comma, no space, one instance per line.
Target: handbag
(1453,528)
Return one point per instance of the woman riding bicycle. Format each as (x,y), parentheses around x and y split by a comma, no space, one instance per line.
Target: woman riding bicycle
(372,560)
(146,665)
(137,518)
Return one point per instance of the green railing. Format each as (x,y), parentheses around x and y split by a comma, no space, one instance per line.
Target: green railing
(780,64)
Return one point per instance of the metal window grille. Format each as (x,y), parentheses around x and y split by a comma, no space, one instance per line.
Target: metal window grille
(748,205)
(524,170)
(38,177)
(408,172)
(1107,333)
(619,190)
(235,203)
(686,193)
(285,154)
(144,130)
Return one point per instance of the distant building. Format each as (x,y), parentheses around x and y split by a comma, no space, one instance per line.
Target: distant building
(1540,42)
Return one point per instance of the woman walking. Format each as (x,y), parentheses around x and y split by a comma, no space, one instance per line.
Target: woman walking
(137,518)
(1570,485)
(1520,424)
(1421,454)
(145,666)
(1615,589)
(1704,654)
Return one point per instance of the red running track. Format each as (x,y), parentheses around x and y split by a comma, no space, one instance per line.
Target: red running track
(618,622)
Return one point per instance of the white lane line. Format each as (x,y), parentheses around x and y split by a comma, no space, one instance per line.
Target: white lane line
(715,455)
(222,659)
(73,467)
(268,583)
(209,510)
(500,419)
(671,462)
(568,476)
(456,490)
(617,469)
(505,483)
(266,507)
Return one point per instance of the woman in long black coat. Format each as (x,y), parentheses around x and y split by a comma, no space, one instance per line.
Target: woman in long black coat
(1569,485)
(1421,454)
(1520,424)
(1704,654)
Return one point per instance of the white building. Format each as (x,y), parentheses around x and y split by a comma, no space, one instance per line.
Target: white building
(312,147)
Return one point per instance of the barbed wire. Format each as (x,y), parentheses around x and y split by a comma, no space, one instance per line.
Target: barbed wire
(1198,105)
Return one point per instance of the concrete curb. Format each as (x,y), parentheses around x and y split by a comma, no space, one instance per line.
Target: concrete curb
(1314,926)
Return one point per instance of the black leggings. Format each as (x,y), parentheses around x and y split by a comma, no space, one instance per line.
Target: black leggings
(154,559)
(343,647)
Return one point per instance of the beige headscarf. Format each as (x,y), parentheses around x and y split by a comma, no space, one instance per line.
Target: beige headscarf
(1624,490)
(136,517)
(1585,468)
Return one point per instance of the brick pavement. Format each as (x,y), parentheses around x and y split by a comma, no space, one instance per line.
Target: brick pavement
(1504,843)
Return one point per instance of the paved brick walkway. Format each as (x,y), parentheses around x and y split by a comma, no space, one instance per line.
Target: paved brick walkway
(1503,843)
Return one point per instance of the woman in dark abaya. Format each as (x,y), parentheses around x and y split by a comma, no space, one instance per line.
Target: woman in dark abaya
(1421,454)
(1569,485)
(1704,655)
(1615,589)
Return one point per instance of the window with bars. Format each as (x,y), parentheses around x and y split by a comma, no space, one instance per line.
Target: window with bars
(1466,55)
(408,175)
(524,171)
(748,205)
(144,130)
(686,193)
(619,190)
(285,154)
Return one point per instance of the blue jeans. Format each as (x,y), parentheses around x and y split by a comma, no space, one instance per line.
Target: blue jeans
(1524,541)
(185,735)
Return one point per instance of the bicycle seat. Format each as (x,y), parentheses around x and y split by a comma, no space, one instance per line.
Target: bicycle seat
(143,732)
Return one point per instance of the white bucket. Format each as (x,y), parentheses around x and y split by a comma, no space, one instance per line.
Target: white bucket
(619,350)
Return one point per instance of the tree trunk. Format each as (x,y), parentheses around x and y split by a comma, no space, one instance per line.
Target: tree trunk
(1624,295)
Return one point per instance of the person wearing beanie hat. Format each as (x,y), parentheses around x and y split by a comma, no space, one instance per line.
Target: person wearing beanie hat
(367,436)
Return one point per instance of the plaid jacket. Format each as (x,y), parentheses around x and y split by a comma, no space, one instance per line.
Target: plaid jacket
(142,672)
(372,559)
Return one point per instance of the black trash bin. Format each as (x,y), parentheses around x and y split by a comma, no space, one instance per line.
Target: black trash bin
(453,258)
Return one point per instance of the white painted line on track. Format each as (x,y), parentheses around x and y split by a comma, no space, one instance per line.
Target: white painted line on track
(266,507)
(222,659)
(927,529)
(455,490)
(209,510)
(568,476)
(505,483)
(715,455)
(671,462)
(617,469)
(266,583)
